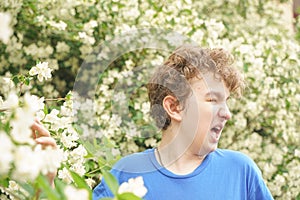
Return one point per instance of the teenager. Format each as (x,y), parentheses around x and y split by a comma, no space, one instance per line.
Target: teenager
(188,96)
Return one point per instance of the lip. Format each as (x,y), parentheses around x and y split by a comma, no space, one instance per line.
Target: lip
(216,134)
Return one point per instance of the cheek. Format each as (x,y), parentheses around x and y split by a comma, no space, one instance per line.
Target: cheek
(191,117)
(206,112)
(198,117)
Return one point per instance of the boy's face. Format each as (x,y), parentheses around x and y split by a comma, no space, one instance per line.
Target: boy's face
(205,114)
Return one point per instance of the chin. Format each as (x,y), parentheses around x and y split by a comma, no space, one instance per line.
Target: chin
(208,149)
(213,147)
(212,150)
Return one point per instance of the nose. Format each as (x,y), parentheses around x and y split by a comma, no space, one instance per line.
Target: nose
(224,112)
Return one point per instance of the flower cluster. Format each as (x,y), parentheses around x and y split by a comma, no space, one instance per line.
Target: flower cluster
(5,29)
(41,70)
(22,159)
(134,185)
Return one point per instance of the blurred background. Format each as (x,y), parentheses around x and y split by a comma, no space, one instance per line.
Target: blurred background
(72,35)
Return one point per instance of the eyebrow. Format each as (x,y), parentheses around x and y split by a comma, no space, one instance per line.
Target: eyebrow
(217,94)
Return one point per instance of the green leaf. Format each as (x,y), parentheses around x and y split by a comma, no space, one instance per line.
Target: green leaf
(185,11)
(27,187)
(6,127)
(16,80)
(101,161)
(69,96)
(27,81)
(111,181)
(89,147)
(46,110)
(79,181)
(107,143)
(60,187)
(128,196)
(4,182)
(21,78)
(45,186)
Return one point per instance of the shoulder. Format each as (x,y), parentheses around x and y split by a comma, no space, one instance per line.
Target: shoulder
(135,163)
(231,154)
(234,157)
(244,167)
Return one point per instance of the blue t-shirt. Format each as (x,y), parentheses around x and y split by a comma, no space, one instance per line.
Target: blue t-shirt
(223,175)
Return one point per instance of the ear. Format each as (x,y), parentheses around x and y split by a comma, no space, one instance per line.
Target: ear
(172,107)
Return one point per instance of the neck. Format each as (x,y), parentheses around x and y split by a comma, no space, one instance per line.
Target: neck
(174,154)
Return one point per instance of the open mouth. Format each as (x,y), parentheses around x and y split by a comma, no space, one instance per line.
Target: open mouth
(216,133)
(217,129)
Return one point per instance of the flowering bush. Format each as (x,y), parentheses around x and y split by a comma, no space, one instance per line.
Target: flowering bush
(49,48)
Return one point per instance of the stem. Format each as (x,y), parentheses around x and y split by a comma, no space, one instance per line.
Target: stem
(37,194)
(55,99)
(21,84)
(95,170)
(3,109)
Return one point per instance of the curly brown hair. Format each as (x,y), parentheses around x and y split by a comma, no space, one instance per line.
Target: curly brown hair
(185,63)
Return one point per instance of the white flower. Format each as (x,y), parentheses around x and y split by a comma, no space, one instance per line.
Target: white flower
(65,175)
(115,152)
(5,29)
(52,159)
(93,23)
(33,103)
(52,116)
(15,187)
(40,115)
(78,167)
(90,182)
(145,108)
(297,153)
(6,156)
(27,164)
(41,70)
(62,47)
(78,154)
(59,25)
(245,49)
(87,39)
(151,142)
(174,38)
(135,186)
(76,194)
(120,97)
(21,124)
(69,140)
(57,122)
(132,130)
(198,35)
(115,120)
(12,101)
(38,52)
(82,35)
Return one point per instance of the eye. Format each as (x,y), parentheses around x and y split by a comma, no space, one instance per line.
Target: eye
(212,100)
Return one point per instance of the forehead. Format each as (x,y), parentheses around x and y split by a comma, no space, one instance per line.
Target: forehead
(208,83)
